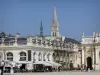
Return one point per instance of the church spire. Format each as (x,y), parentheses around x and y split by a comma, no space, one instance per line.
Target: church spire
(55,15)
(55,25)
(41,29)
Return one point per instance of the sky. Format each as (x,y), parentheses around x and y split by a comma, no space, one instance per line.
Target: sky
(74,16)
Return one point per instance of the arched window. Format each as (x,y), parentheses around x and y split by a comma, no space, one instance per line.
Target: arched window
(57,58)
(22,56)
(55,34)
(40,56)
(54,57)
(10,56)
(48,57)
(44,56)
(34,56)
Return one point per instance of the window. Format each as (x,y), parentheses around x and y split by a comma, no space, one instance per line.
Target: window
(22,56)
(44,56)
(48,57)
(10,56)
(34,41)
(39,41)
(40,56)
(57,58)
(34,54)
(54,57)
(53,34)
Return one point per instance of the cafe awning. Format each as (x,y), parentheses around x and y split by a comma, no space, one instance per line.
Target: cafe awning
(55,64)
(44,63)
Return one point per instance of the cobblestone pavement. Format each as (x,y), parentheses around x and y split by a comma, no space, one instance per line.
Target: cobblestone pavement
(58,73)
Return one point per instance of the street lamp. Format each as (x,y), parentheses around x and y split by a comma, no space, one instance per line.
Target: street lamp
(94,50)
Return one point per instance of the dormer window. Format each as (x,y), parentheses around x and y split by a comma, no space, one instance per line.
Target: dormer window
(39,41)
(34,41)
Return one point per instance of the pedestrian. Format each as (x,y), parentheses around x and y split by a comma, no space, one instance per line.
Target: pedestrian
(81,67)
(1,70)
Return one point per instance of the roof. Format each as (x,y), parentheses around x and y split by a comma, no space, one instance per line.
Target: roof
(66,40)
(22,41)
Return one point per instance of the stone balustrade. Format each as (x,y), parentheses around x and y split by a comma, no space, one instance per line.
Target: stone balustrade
(36,42)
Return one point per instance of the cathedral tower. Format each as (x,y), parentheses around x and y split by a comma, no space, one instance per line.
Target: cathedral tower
(55,25)
(41,29)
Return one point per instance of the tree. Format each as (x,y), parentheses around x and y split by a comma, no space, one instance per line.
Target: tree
(3,34)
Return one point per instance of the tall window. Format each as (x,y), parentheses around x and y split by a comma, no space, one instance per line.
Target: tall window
(40,56)
(48,57)
(34,54)
(22,56)
(57,58)
(54,58)
(44,56)
(54,34)
(10,56)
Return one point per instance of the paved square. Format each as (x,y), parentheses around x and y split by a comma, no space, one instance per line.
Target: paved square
(58,73)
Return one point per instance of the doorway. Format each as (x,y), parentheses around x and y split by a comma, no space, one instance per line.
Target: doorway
(23,67)
(89,63)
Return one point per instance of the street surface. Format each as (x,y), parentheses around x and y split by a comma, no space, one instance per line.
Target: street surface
(58,73)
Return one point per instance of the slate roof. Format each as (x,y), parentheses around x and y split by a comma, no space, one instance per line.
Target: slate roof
(8,39)
(22,41)
(66,40)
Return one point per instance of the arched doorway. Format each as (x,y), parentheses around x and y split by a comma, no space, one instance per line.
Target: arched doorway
(89,63)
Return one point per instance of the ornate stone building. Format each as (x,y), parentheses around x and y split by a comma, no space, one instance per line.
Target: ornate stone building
(91,50)
(53,50)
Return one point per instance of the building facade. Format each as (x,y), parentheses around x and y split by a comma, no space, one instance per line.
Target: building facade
(91,50)
(53,50)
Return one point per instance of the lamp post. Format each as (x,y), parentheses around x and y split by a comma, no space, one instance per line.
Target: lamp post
(94,52)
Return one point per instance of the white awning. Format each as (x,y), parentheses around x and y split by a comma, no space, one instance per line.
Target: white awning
(44,63)
(9,63)
(54,64)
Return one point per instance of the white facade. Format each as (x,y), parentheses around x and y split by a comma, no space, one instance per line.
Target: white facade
(40,48)
(16,55)
(39,52)
(91,48)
